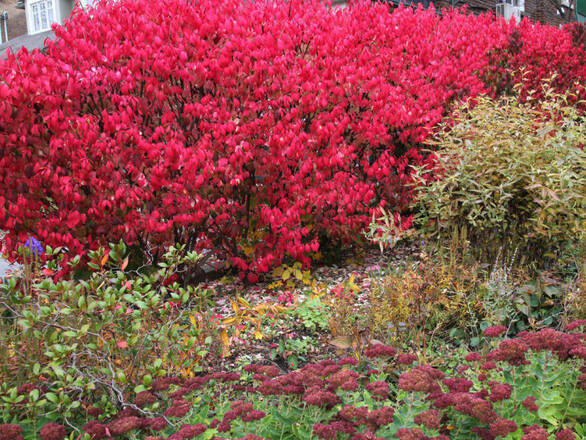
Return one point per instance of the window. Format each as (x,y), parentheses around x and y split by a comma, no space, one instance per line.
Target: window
(42,15)
(511,9)
(515,3)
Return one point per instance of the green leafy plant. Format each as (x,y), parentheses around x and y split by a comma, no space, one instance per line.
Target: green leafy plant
(293,351)
(95,340)
(313,313)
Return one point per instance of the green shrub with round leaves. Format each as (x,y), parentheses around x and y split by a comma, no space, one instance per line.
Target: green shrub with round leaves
(70,344)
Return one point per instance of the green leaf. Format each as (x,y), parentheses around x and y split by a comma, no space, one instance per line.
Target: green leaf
(140,389)
(51,397)
(34,395)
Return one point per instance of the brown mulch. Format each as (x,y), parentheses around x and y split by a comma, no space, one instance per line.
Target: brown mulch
(246,348)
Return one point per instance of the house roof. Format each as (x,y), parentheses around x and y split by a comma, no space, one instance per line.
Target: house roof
(36,41)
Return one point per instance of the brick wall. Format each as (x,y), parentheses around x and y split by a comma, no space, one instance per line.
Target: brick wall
(544,11)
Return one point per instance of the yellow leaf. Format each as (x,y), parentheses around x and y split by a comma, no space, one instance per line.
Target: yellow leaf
(276,284)
(298,274)
(342,342)
(229,321)
(353,285)
(243,302)
(235,307)
(248,250)
(225,339)
(104,259)
(258,334)
(286,275)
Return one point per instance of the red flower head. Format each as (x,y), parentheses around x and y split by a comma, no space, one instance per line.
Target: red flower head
(350,413)
(422,378)
(565,434)
(145,398)
(344,379)
(191,431)
(124,424)
(348,361)
(95,429)
(10,431)
(53,431)
(380,389)
(380,417)
(156,424)
(529,404)
(380,350)
(406,358)
(326,432)
(430,419)
(474,406)
(495,331)
(502,427)
(253,415)
(178,409)
(473,357)
(164,383)
(575,324)
(511,351)
(458,384)
(499,391)
(410,434)
(94,411)
(320,397)
(535,432)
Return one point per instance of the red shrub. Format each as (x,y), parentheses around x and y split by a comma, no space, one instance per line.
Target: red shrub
(257,129)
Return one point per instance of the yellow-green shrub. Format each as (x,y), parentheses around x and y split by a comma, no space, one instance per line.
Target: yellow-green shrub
(411,304)
(513,177)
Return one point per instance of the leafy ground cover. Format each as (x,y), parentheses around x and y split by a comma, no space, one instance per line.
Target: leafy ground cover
(518,386)
(129,355)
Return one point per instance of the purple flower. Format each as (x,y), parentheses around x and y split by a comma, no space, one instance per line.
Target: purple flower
(34,245)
